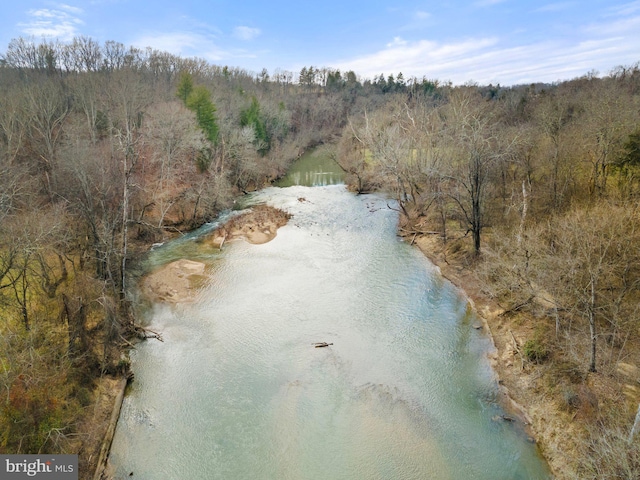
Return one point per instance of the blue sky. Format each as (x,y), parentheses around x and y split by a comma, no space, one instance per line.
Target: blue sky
(484,41)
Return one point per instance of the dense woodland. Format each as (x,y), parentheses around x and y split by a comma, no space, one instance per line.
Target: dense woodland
(105,149)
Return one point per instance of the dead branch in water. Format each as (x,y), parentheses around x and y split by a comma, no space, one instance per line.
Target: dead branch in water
(145,333)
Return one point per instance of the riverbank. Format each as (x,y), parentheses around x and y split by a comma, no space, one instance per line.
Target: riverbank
(551,428)
(489,312)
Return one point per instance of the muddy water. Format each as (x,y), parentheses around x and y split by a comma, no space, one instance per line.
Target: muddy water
(238,390)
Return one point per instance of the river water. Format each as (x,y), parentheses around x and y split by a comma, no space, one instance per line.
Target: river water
(238,391)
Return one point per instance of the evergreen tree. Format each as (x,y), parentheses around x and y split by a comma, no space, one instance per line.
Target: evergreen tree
(185,86)
(253,117)
(199,101)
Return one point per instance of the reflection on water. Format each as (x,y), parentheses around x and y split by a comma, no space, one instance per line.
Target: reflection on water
(314,169)
(238,391)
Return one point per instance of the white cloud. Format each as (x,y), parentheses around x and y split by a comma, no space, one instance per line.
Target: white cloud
(71,9)
(246,33)
(488,3)
(419,58)
(420,15)
(55,23)
(397,42)
(182,44)
(489,60)
(555,7)
(190,44)
(625,9)
(196,37)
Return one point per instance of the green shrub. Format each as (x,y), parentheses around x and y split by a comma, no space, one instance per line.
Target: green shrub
(535,351)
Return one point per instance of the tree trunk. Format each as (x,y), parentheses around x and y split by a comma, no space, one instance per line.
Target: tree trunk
(476,240)
(125,232)
(476,223)
(592,327)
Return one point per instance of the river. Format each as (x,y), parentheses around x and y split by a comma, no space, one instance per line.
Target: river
(238,391)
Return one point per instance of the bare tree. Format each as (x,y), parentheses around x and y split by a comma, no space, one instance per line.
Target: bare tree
(93,191)
(47,106)
(553,115)
(589,264)
(476,149)
(174,141)
(127,98)
(609,116)
(13,124)
(87,92)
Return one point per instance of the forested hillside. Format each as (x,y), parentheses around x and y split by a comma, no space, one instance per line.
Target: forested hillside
(106,149)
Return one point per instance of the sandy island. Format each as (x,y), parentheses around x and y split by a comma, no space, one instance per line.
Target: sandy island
(179,281)
(258,225)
